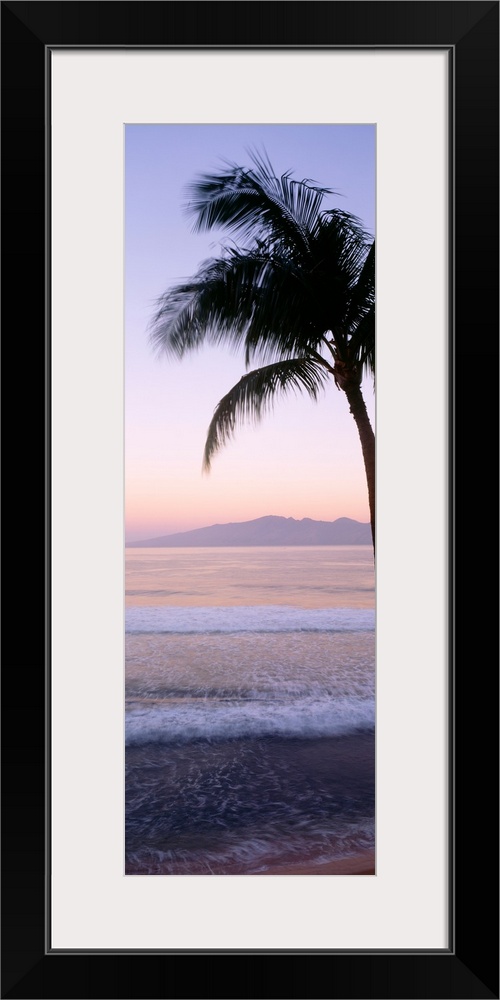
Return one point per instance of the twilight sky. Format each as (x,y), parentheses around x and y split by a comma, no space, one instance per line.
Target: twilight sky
(304,458)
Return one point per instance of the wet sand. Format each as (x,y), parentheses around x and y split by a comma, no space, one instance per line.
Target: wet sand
(359,864)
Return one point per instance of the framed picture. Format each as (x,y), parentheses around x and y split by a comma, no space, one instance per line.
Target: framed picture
(425,77)
(250,638)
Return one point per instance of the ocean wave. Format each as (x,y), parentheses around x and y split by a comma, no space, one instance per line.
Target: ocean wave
(213,719)
(231,620)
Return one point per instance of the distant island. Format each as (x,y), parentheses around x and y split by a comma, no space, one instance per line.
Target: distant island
(269,530)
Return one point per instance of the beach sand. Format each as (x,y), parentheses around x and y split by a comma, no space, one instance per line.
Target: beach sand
(359,864)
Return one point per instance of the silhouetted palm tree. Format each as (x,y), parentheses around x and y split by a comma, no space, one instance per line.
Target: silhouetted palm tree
(299,297)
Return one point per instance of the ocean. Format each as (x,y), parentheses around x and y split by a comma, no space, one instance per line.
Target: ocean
(250,708)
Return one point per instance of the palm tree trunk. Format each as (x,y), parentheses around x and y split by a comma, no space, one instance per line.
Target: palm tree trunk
(358,409)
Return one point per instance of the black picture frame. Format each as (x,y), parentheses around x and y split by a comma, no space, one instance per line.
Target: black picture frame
(469,969)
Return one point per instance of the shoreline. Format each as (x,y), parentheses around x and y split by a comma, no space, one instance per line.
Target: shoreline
(362,863)
(358,864)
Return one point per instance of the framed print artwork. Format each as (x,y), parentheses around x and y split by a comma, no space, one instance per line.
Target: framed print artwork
(236,683)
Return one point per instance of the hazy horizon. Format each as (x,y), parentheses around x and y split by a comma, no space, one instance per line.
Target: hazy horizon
(217,523)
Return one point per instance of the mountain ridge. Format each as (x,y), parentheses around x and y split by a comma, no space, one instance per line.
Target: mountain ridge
(268,530)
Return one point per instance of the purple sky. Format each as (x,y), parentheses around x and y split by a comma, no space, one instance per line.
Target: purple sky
(304,459)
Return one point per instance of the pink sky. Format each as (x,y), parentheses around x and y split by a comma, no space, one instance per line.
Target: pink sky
(304,459)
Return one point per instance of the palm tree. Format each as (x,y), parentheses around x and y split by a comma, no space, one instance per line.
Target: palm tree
(299,297)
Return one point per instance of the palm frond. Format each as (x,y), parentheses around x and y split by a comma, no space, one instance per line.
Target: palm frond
(304,198)
(363,293)
(203,309)
(362,342)
(339,247)
(255,202)
(261,300)
(340,239)
(256,392)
